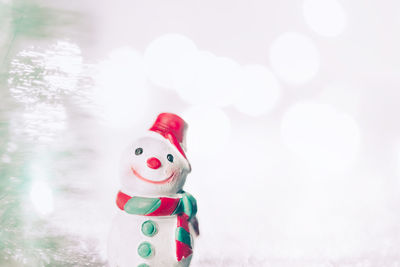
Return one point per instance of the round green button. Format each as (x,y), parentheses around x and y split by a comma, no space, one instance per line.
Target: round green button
(143,265)
(149,228)
(145,250)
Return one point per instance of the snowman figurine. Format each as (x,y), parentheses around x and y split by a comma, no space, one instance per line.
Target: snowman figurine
(156,220)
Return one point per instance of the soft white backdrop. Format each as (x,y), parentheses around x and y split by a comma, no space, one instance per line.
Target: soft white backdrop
(293,120)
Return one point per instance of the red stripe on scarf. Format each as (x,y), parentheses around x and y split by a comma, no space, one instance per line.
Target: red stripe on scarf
(122,199)
(167,207)
(182,250)
(183,221)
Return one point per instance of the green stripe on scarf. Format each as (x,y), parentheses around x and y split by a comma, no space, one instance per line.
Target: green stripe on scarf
(189,204)
(142,205)
(183,236)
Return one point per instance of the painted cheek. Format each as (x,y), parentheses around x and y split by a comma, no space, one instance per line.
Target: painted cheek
(173,169)
(168,173)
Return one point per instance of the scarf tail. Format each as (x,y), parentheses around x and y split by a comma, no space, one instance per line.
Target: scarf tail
(183,238)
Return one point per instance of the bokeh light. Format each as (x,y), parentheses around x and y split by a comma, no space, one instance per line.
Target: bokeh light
(215,81)
(325,17)
(323,137)
(260,90)
(294,57)
(343,96)
(210,130)
(172,61)
(42,197)
(169,59)
(202,78)
(121,92)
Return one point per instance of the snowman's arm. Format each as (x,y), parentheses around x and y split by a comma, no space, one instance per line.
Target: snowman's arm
(195,224)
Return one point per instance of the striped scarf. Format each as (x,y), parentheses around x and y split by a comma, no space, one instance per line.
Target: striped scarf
(184,207)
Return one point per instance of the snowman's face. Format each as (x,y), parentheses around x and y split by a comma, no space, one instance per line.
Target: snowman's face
(152,166)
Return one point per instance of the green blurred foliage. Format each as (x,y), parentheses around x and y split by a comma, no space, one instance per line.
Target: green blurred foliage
(27,239)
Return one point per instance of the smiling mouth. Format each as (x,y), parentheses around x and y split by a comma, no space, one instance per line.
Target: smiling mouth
(151,181)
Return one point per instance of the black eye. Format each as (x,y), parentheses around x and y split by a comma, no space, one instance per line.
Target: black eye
(139,151)
(170,158)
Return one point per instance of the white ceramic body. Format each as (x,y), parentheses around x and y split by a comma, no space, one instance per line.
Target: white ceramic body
(126,234)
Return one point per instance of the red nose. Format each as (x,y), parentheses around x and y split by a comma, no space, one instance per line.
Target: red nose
(153,163)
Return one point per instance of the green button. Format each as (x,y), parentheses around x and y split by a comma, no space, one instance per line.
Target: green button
(149,228)
(145,250)
(143,265)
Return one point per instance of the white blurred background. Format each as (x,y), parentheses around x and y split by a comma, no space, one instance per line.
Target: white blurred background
(292,106)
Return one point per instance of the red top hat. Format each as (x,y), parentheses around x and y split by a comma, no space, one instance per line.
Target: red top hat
(173,128)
